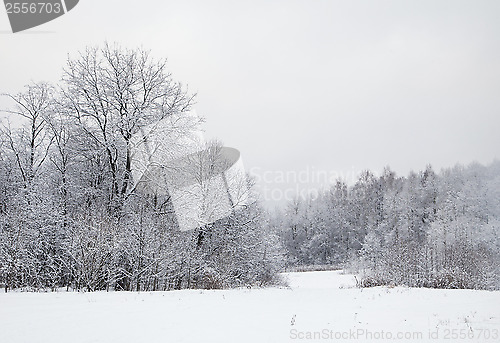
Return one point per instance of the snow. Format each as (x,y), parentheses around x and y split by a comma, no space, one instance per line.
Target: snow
(326,304)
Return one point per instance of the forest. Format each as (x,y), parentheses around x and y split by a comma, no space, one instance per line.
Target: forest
(70,216)
(423,230)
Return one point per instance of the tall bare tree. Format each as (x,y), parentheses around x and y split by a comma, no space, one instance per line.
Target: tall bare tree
(113,92)
(34,105)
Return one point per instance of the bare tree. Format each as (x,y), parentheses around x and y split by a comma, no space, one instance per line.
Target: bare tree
(63,155)
(32,147)
(113,92)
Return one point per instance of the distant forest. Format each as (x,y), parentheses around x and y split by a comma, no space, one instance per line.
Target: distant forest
(424,230)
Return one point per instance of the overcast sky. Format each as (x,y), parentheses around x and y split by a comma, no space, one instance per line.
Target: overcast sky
(307,90)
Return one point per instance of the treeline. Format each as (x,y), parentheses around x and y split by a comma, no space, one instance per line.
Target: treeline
(423,230)
(69,214)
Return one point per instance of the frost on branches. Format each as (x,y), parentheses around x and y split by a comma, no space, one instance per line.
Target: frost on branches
(70,212)
(423,230)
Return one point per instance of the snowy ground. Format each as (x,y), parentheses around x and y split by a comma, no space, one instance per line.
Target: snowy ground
(318,306)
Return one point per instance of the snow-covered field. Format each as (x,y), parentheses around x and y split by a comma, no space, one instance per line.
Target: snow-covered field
(318,306)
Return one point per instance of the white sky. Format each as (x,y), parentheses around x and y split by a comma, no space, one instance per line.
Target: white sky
(307,89)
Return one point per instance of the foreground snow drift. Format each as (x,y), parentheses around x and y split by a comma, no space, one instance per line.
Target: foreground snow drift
(318,306)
